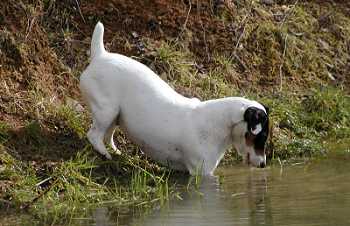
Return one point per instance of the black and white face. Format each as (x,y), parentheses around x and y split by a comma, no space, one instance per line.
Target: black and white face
(250,136)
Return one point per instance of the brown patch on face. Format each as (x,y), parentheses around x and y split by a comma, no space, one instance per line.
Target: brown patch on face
(249,139)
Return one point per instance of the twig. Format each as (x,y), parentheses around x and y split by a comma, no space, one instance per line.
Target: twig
(185,24)
(241,35)
(205,42)
(28,204)
(29,27)
(279,161)
(285,42)
(281,165)
(283,59)
(78,6)
(43,181)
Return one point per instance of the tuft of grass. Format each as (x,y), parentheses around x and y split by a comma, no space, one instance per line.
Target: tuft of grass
(4,132)
(147,186)
(75,122)
(326,109)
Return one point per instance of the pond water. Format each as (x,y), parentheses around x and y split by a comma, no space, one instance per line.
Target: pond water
(316,193)
(303,194)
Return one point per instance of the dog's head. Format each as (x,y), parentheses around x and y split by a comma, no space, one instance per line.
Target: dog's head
(250,135)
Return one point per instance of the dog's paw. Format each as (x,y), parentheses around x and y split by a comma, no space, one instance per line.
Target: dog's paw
(108,156)
(105,156)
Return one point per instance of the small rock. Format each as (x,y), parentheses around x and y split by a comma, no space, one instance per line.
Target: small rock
(329,66)
(74,105)
(134,34)
(164,76)
(330,76)
(323,44)
(285,8)
(263,13)
(267,2)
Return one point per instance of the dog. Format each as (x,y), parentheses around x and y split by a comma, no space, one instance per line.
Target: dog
(182,133)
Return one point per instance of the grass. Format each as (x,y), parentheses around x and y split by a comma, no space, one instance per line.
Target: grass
(304,123)
(327,109)
(56,178)
(58,192)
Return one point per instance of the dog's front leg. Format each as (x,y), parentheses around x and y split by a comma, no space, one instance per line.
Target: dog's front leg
(198,164)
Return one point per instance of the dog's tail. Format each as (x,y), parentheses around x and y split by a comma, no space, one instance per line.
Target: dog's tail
(97,47)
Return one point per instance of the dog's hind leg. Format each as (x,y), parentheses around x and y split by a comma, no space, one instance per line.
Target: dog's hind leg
(102,123)
(109,137)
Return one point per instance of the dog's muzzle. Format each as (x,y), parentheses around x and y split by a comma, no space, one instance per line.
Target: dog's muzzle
(262,165)
(259,161)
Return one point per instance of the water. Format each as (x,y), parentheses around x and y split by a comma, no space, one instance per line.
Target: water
(301,194)
(305,194)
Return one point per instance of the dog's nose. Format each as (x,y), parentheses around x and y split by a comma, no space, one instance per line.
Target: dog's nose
(262,165)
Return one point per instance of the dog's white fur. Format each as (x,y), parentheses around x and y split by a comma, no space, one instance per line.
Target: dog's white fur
(183,133)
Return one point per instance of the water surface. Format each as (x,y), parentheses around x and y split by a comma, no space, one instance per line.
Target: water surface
(316,193)
(300,194)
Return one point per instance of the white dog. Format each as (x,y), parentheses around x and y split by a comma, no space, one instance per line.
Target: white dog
(182,133)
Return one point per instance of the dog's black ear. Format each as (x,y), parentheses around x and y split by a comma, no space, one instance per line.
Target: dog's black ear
(267,109)
(253,116)
(249,115)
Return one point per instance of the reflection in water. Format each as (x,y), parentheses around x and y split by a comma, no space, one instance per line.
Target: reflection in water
(305,194)
(203,207)
(213,205)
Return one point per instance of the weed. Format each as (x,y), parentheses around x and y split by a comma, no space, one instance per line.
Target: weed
(74,121)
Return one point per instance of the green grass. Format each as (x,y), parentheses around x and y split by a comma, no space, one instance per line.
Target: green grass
(61,191)
(326,109)
(58,178)
(303,124)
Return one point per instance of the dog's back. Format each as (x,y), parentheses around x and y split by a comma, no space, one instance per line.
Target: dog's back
(120,90)
(123,75)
